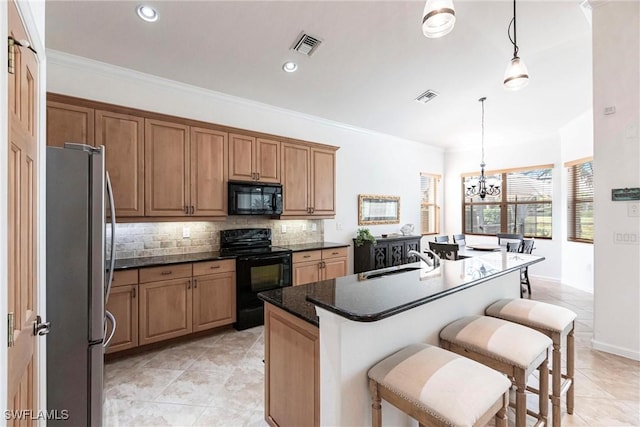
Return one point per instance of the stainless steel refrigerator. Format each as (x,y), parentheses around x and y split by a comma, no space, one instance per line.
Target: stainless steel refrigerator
(78,281)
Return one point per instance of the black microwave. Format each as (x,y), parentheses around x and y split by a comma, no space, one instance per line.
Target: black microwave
(250,198)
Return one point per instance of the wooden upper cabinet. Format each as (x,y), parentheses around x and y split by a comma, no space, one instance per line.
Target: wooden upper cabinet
(69,123)
(208,172)
(123,138)
(253,159)
(323,175)
(295,179)
(166,168)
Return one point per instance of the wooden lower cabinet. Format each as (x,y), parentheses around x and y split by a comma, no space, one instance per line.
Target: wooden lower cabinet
(166,309)
(292,370)
(321,264)
(214,300)
(123,305)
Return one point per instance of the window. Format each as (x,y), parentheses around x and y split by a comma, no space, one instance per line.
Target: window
(429,209)
(523,205)
(580,200)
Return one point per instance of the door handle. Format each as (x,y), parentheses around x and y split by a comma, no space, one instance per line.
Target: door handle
(133,293)
(41,328)
(258,176)
(188,284)
(186,210)
(192,210)
(195,283)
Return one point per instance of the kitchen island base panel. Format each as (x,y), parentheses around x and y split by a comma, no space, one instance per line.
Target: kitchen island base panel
(348,348)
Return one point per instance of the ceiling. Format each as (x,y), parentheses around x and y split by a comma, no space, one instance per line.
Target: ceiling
(372,64)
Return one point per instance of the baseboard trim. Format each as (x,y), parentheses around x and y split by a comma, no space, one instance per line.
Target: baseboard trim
(546,278)
(614,349)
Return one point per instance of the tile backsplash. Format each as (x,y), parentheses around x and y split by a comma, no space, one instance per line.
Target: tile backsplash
(137,240)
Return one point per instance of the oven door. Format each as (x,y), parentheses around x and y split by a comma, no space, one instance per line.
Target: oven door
(261,273)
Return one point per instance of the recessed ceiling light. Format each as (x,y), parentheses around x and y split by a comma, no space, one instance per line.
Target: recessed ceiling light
(147,13)
(289,66)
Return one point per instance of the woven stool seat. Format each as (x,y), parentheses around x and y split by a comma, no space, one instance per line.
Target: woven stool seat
(556,323)
(439,387)
(512,349)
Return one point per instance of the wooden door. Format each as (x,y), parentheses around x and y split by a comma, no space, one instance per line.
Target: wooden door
(69,123)
(123,137)
(214,301)
(22,387)
(306,272)
(208,172)
(323,173)
(123,304)
(334,267)
(267,159)
(295,179)
(166,168)
(241,157)
(165,310)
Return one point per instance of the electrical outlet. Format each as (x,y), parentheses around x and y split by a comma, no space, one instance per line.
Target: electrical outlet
(626,238)
(633,209)
(338,226)
(314,227)
(186,233)
(283,228)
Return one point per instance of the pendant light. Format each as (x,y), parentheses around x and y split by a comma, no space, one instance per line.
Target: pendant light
(482,188)
(438,18)
(516,76)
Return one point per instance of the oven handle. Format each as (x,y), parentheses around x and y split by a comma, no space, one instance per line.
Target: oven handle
(251,258)
(274,204)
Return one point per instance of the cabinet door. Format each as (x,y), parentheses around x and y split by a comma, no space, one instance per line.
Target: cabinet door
(214,301)
(208,172)
(412,245)
(123,304)
(69,123)
(267,160)
(323,173)
(380,256)
(334,267)
(123,137)
(165,310)
(306,272)
(396,254)
(166,155)
(295,179)
(241,157)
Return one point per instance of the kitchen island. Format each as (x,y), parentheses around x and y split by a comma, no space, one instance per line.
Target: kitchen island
(321,338)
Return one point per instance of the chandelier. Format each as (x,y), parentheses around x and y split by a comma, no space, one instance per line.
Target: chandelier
(483,188)
(516,75)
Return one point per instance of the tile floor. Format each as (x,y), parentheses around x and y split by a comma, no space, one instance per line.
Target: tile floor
(218,380)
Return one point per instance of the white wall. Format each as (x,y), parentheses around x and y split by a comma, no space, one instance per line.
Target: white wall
(367,162)
(577,258)
(545,151)
(616,82)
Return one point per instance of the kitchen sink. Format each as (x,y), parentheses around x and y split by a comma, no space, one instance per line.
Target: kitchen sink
(387,272)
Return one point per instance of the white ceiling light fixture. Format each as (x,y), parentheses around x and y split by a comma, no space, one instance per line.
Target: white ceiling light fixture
(289,66)
(516,76)
(438,18)
(147,13)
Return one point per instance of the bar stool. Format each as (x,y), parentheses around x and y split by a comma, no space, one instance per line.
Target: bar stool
(438,387)
(555,322)
(512,349)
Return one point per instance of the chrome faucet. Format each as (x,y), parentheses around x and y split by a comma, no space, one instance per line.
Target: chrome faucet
(431,262)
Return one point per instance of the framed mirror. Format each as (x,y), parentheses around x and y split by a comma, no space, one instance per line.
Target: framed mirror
(374,209)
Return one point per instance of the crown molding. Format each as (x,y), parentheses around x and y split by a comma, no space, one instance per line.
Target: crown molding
(63,59)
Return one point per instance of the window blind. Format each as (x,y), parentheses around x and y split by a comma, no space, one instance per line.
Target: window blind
(580,201)
(429,209)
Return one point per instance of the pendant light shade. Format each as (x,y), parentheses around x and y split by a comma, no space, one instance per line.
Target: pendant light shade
(516,76)
(438,18)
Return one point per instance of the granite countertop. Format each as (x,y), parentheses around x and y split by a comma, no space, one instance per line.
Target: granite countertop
(125,263)
(366,300)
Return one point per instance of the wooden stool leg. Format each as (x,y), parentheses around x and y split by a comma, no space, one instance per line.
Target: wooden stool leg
(521,398)
(376,408)
(501,416)
(570,369)
(556,377)
(543,393)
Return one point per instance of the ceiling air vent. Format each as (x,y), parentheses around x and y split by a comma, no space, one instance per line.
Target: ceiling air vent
(306,44)
(427,96)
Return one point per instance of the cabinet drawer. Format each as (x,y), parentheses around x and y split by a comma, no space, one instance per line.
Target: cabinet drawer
(165,272)
(125,277)
(334,253)
(212,267)
(307,256)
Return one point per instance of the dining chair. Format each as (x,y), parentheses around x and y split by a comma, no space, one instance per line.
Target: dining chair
(526,248)
(460,239)
(441,239)
(504,238)
(445,250)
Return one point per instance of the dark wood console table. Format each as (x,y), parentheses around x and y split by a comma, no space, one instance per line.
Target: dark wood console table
(388,252)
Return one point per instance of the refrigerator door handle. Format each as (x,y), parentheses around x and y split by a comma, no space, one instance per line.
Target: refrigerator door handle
(108,316)
(112,261)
